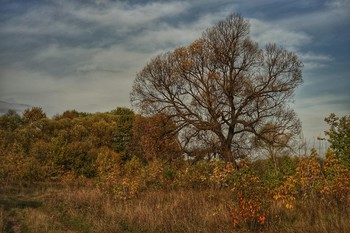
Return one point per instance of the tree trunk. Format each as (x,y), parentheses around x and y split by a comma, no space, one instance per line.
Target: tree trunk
(228,155)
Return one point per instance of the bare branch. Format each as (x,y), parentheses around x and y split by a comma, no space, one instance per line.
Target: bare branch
(223,89)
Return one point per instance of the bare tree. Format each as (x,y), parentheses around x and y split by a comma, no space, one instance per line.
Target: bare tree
(222,89)
(276,141)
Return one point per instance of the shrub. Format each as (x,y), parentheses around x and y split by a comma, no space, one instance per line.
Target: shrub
(252,200)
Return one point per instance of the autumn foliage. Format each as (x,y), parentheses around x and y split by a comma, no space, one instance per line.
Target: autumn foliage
(126,155)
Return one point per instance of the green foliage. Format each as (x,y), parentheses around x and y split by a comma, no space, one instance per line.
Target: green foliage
(288,165)
(77,157)
(67,144)
(337,185)
(339,137)
(10,121)
(122,133)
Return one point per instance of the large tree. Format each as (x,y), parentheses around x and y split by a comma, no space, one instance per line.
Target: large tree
(222,90)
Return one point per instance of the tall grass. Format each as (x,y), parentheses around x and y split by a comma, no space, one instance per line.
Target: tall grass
(84,208)
(152,211)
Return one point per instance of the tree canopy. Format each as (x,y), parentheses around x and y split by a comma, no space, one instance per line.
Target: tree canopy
(222,90)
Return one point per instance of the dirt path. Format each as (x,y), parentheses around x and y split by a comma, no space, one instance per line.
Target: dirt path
(13,203)
(13,225)
(23,210)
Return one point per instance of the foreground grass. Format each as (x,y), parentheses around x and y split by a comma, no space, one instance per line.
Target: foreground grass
(67,208)
(84,208)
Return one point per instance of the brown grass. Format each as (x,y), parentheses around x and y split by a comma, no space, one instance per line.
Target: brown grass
(84,208)
(321,216)
(152,211)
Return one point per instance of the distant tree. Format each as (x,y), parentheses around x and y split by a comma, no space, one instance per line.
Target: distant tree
(122,111)
(339,136)
(33,114)
(275,142)
(10,120)
(70,114)
(9,123)
(222,89)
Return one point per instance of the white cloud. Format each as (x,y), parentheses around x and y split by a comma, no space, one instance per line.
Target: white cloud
(314,61)
(338,4)
(68,18)
(266,32)
(167,37)
(122,14)
(41,20)
(64,52)
(270,32)
(318,57)
(117,57)
(334,14)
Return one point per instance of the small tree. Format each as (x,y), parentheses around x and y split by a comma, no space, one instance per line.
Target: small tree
(275,142)
(33,114)
(222,89)
(339,137)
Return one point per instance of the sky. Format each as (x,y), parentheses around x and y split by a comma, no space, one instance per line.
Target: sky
(85,54)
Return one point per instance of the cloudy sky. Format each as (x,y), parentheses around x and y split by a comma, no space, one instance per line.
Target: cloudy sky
(84,54)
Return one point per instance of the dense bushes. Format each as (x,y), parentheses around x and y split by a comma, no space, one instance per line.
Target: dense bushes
(68,143)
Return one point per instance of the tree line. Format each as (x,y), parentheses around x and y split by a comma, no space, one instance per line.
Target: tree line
(35,147)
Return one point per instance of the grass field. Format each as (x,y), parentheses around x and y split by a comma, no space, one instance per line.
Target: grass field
(81,207)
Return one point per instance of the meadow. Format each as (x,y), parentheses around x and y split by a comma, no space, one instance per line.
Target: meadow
(200,202)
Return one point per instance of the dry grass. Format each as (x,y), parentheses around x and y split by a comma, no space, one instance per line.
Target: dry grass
(3,219)
(153,211)
(320,216)
(84,208)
